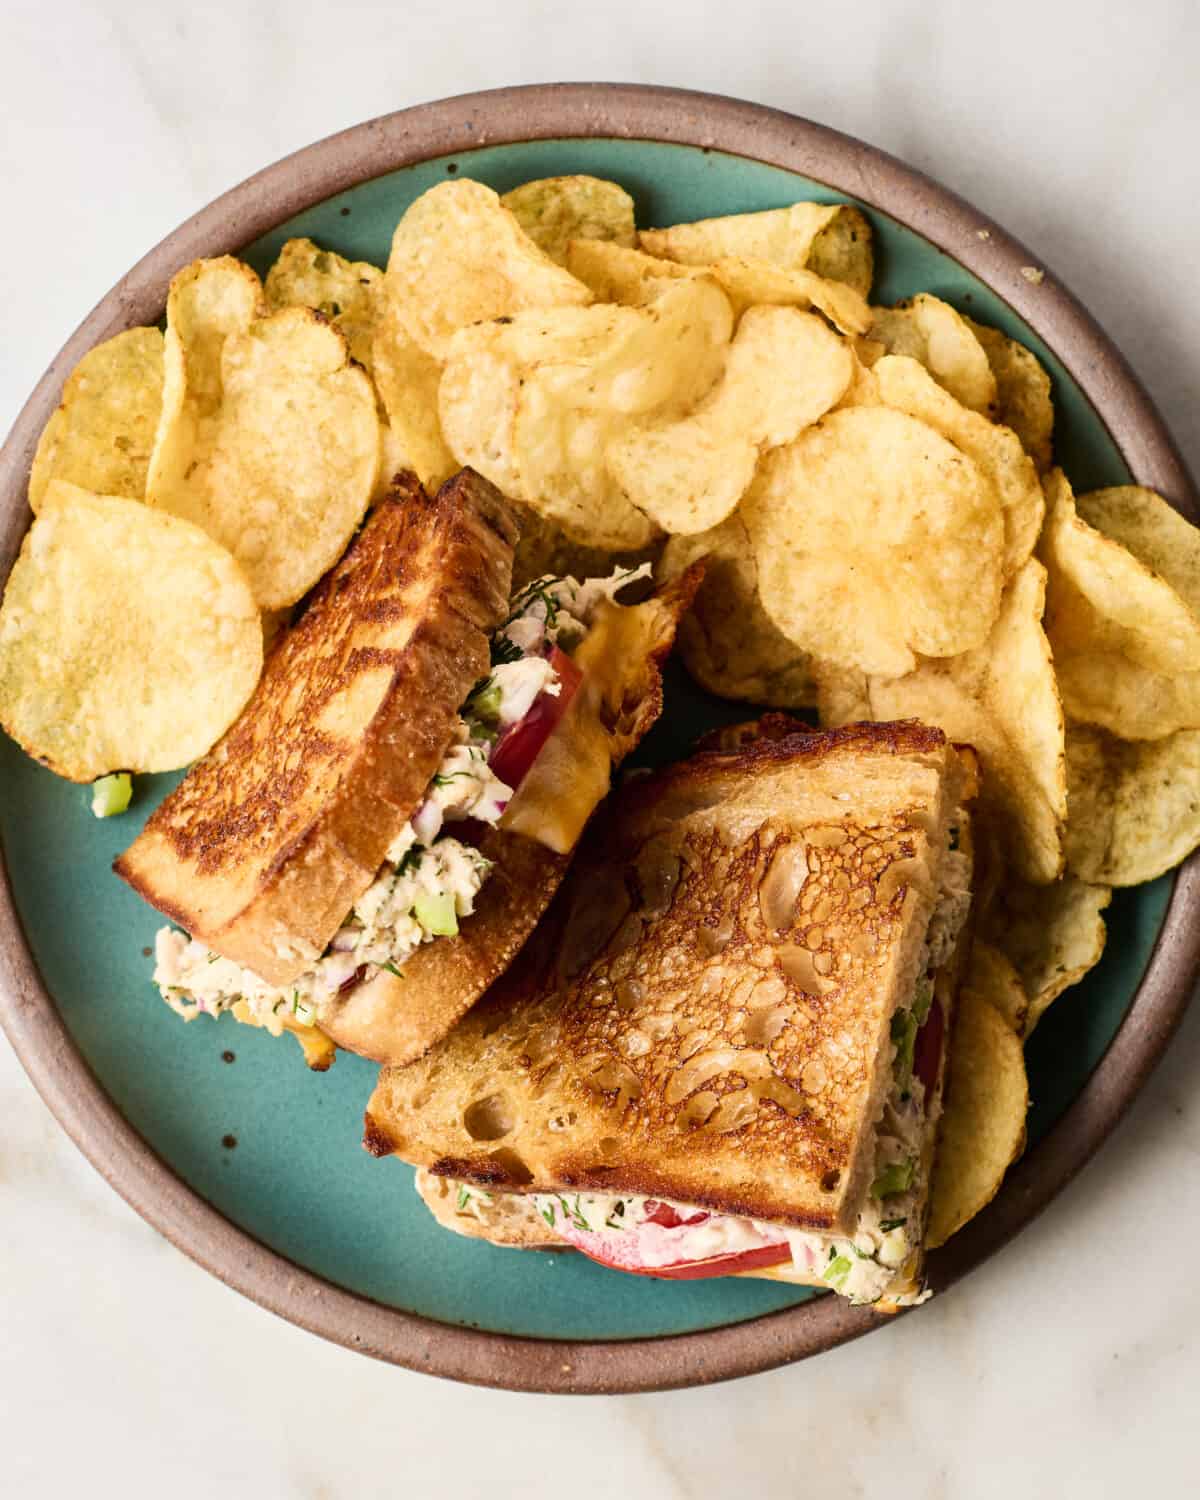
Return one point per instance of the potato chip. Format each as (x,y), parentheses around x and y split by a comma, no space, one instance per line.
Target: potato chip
(876,539)
(991,976)
(459,257)
(632,277)
(1157,535)
(842,695)
(983,1125)
(102,433)
(1107,689)
(728,642)
(908,386)
(614,273)
(534,402)
(348,292)
(784,370)
(1102,598)
(756,283)
(129,641)
(931,332)
(832,240)
(553,211)
(407,381)
(863,389)
(1126,645)
(1002,699)
(1022,392)
(269,439)
(1134,809)
(1051,934)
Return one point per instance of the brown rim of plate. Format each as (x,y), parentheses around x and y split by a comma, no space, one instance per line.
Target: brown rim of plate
(677,116)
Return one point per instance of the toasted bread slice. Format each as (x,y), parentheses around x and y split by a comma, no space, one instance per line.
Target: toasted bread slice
(707,1018)
(394,1018)
(270,839)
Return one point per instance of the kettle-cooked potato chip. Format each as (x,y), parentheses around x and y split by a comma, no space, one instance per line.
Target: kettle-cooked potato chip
(784,370)
(1120,695)
(1001,698)
(863,389)
(459,257)
(615,273)
(348,292)
(993,976)
(876,539)
(407,381)
(102,433)
(930,331)
(1022,392)
(129,641)
(728,642)
(756,283)
(1051,934)
(632,277)
(534,402)
(908,386)
(1134,809)
(830,239)
(1157,535)
(553,211)
(842,695)
(983,1125)
(1126,645)
(269,439)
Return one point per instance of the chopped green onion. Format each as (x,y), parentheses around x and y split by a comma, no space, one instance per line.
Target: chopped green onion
(392,969)
(838,1269)
(895,1178)
(112,794)
(904,1034)
(484,702)
(889,1224)
(464,1197)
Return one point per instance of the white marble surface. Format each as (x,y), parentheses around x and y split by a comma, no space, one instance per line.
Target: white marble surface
(1066,1367)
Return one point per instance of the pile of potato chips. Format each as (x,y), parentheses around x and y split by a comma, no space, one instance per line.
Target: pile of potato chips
(872,487)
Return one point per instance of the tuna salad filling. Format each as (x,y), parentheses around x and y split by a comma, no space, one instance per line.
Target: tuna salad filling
(429,878)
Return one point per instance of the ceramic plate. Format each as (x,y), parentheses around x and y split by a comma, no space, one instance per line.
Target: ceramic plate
(218,1134)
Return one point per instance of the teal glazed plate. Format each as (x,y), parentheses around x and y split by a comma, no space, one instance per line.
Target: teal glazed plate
(219,1135)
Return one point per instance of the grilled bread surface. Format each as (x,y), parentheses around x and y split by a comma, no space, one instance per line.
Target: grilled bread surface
(394,1018)
(269,840)
(705,1017)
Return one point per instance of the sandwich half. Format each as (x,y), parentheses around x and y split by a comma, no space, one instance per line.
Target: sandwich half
(724,1052)
(373,840)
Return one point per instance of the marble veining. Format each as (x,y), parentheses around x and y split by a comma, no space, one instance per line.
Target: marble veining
(1067,1366)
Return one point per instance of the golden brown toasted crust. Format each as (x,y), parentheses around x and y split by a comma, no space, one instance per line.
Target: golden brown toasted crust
(394,1018)
(732,939)
(271,838)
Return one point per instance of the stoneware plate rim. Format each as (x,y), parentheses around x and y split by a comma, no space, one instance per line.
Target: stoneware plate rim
(635,112)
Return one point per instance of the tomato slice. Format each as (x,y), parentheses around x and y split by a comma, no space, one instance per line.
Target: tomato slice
(518,747)
(927,1049)
(695,1270)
